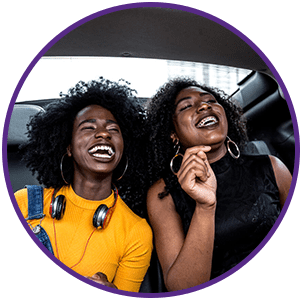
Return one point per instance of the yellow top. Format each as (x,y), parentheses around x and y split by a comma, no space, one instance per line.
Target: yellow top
(122,251)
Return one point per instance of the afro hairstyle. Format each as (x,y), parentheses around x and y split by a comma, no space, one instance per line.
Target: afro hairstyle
(50,133)
(160,111)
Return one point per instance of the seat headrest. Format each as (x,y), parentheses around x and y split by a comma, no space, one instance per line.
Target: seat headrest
(21,115)
(257,148)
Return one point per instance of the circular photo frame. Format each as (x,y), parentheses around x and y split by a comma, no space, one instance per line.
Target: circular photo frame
(66,41)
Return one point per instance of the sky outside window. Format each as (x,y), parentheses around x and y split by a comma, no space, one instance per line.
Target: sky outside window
(52,75)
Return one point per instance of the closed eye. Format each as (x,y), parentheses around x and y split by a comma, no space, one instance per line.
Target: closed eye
(211,101)
(185,107)
(116,129)
(88,128)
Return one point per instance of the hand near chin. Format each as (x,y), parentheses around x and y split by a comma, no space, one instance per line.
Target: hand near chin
(196,176)
(102,279)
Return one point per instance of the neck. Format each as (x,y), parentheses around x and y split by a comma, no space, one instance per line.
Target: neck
(92,189)
(216,154)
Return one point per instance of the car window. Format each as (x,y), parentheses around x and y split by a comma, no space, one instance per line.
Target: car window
(52,75)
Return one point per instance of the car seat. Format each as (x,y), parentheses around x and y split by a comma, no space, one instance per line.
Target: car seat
(17,135)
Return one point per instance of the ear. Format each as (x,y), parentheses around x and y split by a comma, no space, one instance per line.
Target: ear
(174,137)
(69,152)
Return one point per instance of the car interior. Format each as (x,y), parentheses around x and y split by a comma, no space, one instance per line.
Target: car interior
(175,35)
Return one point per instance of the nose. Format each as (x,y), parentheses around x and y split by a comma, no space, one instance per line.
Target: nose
(102,133)
(203,106)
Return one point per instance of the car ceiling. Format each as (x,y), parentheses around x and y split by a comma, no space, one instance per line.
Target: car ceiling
(162,33)
(165,33)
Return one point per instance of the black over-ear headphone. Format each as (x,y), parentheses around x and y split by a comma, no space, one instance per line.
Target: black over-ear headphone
(101,216)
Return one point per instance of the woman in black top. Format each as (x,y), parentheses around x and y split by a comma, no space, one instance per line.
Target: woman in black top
(214,207)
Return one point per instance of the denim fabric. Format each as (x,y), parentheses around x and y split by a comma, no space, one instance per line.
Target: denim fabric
(35,211)
(42,235)
(35,202)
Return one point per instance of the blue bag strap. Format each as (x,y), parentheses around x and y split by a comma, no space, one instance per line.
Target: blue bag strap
(35,195)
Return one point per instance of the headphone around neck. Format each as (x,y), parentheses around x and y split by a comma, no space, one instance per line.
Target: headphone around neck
(101,216)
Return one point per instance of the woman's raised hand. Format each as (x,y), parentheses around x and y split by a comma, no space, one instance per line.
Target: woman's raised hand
(196,176)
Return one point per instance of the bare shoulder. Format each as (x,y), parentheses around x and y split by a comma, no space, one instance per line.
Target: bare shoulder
(157,188)
(154,191)
(280,170)
(159,206)
(283,178)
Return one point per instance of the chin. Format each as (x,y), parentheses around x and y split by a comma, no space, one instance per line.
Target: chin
(215,141)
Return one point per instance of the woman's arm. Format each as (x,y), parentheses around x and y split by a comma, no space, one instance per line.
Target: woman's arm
(185,261)
(283,178)
(135,260)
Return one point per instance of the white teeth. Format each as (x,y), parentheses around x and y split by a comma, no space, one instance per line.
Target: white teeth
(109,152)
(211,120)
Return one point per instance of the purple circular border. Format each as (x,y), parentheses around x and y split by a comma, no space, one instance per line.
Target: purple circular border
(162,5)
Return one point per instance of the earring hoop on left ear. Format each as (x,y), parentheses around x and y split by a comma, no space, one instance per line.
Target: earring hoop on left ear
(124,170)
(237,150)
(61,168)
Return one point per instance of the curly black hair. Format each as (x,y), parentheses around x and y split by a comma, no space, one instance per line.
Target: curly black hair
(50,133)
(160,111)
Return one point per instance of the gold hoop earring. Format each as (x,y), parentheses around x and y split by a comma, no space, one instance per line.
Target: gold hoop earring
(235,156)
(61,168)
(177,154)
(124,170)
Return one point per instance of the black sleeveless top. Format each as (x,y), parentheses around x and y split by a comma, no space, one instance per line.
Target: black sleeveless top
(247,207)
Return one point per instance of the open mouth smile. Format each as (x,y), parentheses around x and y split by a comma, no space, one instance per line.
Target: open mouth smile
(102,151)
(207,121)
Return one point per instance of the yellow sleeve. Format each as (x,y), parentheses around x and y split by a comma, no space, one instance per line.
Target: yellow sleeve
(21,198)
(136,260)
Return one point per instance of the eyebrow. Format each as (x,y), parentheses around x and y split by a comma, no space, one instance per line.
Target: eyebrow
(111,122)
(94,121)
(87,121)
(186,98)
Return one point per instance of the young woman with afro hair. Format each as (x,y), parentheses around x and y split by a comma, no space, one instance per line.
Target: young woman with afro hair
(85,149)
(209,205)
